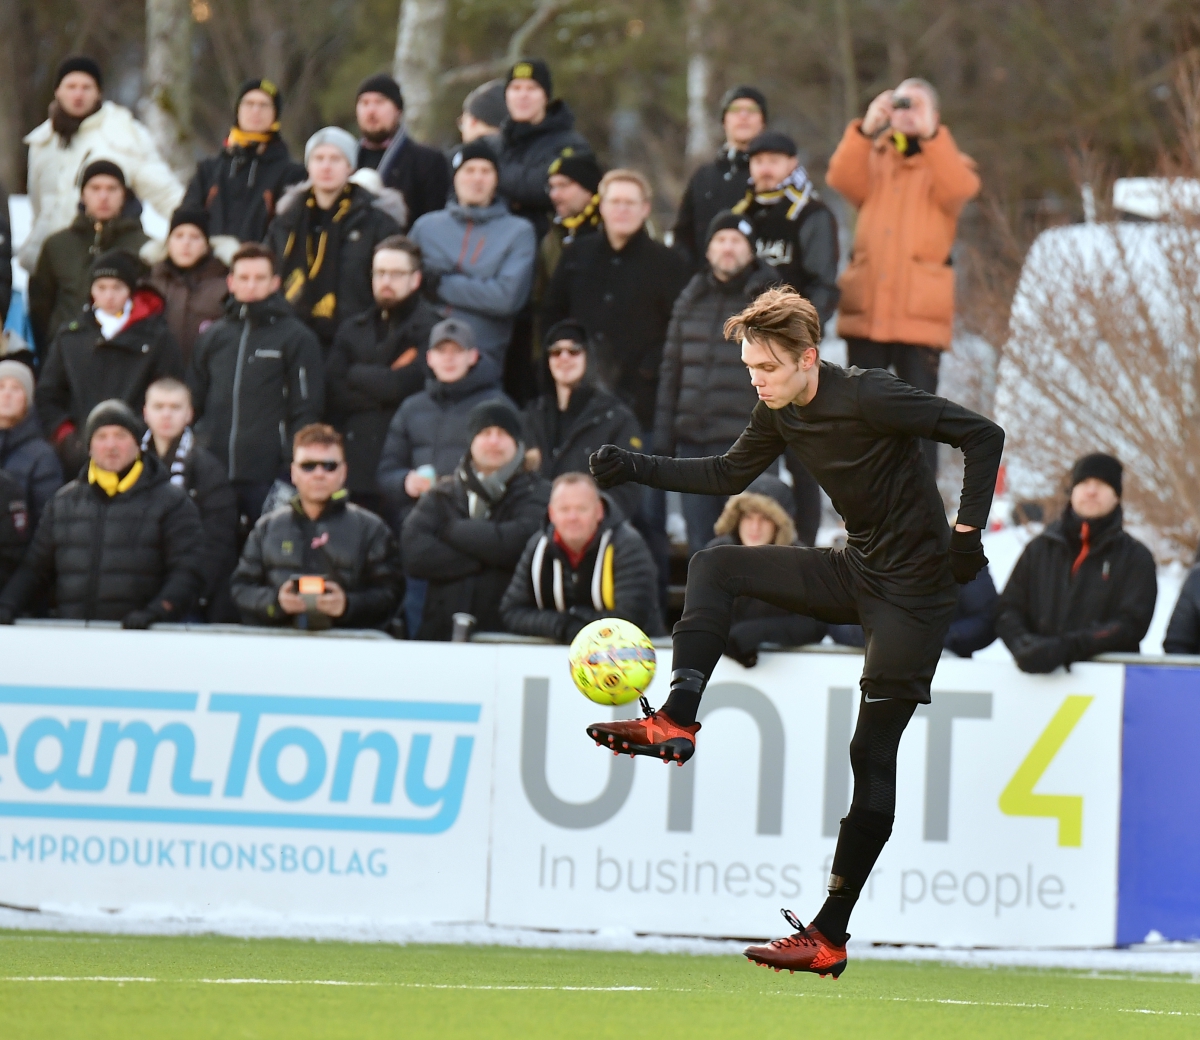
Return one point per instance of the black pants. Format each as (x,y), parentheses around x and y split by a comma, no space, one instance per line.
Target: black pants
(915,364)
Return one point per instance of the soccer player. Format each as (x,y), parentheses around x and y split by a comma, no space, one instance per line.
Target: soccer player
(859,434)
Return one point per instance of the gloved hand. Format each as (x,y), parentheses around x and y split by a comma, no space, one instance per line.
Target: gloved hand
(430,280)
(966,555)
(611,465)
(742,644)
(7,615)
(1040,655)
(142,619)
(570,625)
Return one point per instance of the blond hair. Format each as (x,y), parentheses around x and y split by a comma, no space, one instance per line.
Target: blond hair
(632,176)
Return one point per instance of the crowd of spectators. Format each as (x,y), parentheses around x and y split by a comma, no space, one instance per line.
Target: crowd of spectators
(361,390)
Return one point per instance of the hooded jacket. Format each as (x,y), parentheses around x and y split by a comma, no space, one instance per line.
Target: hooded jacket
(240,187)
(481,259)
(549,597)
(26,456)
(195,298)
(715,186)
(1048,616)
(420,173)
(430,428)
(704,395)
(55,168)
(104,557)
(526,152)
(469,562)
(346,544)
(362,387)
(361,220)
(61,283)
(256,378)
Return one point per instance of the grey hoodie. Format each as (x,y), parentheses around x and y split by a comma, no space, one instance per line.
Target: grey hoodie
(485,258)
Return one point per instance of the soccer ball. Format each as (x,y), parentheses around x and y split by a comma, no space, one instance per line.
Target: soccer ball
(612,661)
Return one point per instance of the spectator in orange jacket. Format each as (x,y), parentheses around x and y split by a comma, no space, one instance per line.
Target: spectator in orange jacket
(900,166)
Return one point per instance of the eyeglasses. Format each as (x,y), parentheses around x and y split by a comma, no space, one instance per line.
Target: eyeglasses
(328,465)
(574,350)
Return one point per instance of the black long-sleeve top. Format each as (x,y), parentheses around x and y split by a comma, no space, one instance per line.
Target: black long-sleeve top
(860,438)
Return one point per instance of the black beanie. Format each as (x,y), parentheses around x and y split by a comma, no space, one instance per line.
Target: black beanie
(535,69)
(267,86)
(583,169)
(494,413)
(772,141)
(116,263)
(477,149)
(744,91)
(568,328)
(113,412)
(186,215)
(382,83)
(1102,467)
(102,168)
(727,220)
(79,63)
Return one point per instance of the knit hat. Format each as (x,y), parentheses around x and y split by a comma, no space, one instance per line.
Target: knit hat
(582,169)
(267,87)
(118,264)
(744,91)
(494,413)
(382,83)
(1102,467)
(341,139)
(23,374)
(568,328)
(79,63)
(113,412)
(772,141)
(477,149)
(486,102)
(455,330)
(727,220)
(102,168)
(186,215)
(535,69)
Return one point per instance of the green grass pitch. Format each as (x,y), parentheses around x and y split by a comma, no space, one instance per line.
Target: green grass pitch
(55,985)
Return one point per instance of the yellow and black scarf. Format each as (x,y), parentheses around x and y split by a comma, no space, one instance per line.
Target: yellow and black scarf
(310,274)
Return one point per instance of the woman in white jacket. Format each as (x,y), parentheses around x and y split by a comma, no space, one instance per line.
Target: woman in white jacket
(81,129)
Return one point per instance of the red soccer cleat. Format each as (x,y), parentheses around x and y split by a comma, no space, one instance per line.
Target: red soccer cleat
(805,950)
(657,735)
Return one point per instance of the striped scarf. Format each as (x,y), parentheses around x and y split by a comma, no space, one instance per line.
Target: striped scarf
(182,450)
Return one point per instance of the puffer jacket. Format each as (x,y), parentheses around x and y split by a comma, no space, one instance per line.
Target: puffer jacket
(16,526)
(469,562)
(899,285)
(481,259)
(256,378)
(346,544)
(369,218)
(616,578)
(704,393)
(54,171)
(103,557)
(27,457)
(526,152)
(195,298)
(430,428)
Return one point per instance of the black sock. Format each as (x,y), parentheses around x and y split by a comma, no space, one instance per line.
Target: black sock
(861,839)
(693,652)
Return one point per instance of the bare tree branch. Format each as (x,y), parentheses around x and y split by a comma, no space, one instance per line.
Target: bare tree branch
(545,12)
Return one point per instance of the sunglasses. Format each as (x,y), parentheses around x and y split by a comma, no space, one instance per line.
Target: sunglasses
(328,465)
(574,351)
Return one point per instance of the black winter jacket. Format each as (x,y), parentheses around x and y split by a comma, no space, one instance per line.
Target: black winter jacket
(715,186)
(28,459)
(526,152)
(1183,630)
(420,173)
(257,377)
(16,525)
(469,563)
(346,544)
(566,441)
(624,301)
(363,391)
(1048,617)
(616,578)
(240,188)
(704,393)
(103,557)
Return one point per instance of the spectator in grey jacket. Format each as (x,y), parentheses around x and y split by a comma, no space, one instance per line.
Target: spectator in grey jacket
(587,564)
(478,256)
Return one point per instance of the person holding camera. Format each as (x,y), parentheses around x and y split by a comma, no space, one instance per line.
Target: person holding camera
(320,561)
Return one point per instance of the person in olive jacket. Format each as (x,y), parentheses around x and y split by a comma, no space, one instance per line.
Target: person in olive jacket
(1084,586)
(190,279)
(466,534)
(377,361)
(320,533)
(257,377)
(118,543)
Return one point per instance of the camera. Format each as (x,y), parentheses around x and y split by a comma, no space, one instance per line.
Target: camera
(902,102)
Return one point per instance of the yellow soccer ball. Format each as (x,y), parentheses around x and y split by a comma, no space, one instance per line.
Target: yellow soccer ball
(612,661)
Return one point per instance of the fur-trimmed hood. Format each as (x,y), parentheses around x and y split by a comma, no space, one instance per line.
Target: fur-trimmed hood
(368,189)
(753,502)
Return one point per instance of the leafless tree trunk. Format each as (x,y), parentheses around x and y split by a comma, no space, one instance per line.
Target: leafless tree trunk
(699,137)
(419,58)
(11,174)
(845,46)
(167,107)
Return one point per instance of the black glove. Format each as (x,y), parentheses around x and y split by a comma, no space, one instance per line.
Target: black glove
(1040,655)
(570,625)
(612,465)
(966,555)
(742,644)
(142,619)
(430,280)
(7,615)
